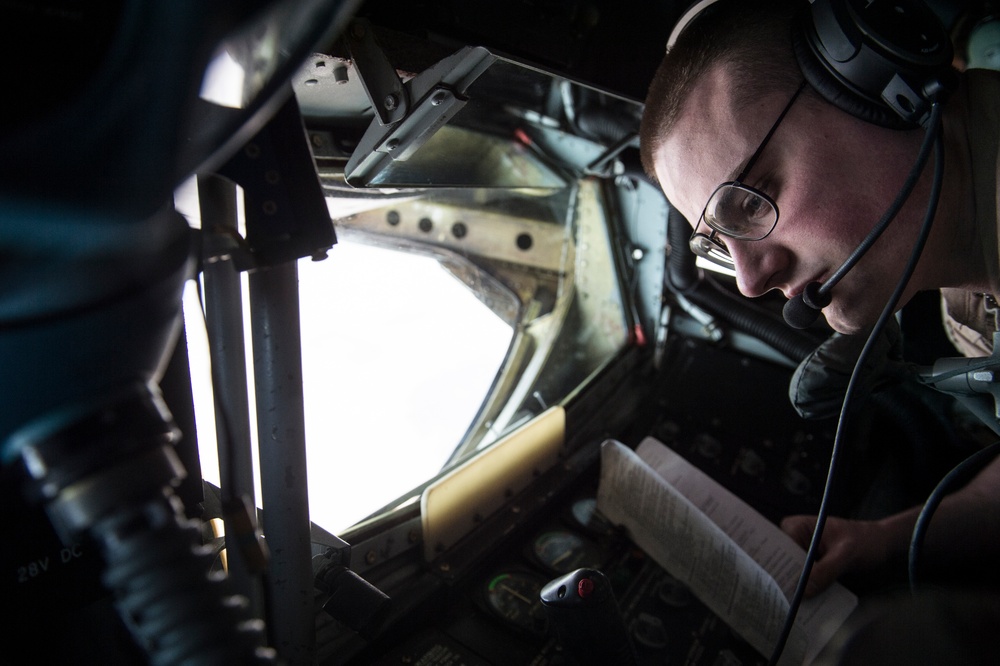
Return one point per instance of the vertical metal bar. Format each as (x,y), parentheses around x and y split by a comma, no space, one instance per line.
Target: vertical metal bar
(277,353)
(224,321)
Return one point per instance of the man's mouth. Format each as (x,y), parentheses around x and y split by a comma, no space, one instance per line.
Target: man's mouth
(799,288)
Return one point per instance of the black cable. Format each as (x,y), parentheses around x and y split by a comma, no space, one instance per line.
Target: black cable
(933,135)
(961,474)
(887,217)
(744,315)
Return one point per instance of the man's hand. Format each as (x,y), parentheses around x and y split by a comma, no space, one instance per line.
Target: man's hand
(965,533)
(846,546)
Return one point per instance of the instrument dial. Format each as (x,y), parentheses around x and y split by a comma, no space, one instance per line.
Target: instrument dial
(514,598)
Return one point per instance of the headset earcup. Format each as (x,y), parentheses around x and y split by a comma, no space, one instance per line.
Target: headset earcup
(886,63)
(835,92)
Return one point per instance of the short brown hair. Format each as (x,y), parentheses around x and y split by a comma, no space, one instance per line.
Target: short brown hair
(751,36)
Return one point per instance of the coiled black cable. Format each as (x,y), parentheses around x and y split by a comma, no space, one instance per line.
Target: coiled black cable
(107,479)
(748,318)
(177,610)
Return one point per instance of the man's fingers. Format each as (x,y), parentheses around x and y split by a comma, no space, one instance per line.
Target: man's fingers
(823,573)
(827,566)
(800,528)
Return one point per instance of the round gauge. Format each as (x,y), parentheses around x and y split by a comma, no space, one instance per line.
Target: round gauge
(649,631)
(514,598)
(673,592)
(562,551)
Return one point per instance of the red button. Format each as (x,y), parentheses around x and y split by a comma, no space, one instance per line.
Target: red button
(585,587)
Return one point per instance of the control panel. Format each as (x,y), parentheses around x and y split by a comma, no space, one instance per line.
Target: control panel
(749,440)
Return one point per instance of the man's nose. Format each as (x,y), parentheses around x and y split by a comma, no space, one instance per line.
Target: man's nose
(756,264)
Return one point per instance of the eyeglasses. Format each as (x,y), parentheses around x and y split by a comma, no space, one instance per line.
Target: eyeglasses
(738,210)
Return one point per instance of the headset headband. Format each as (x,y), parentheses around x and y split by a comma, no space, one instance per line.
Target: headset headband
(882,61)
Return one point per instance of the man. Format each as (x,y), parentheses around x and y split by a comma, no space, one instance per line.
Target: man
(728,104)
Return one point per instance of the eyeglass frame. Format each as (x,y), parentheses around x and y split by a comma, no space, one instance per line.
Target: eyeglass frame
(711,246)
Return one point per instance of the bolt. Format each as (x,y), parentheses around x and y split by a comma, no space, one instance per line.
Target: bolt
(340,74)
(392,144)
(370,557)
(390,102)
(439,98)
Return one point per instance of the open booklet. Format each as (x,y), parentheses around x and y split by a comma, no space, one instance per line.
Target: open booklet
(739,564)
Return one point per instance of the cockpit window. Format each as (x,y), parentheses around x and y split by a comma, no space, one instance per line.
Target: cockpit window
(441,321)
(454,308)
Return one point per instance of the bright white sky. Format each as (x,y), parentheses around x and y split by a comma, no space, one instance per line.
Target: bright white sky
(397,358)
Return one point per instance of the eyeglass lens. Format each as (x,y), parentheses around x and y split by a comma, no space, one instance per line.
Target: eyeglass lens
(711,247)
(739,211)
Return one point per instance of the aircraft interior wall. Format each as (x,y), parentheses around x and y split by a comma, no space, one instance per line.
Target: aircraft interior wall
(495,146)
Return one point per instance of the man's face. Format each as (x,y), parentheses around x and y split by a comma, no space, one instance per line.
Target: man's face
(831,176)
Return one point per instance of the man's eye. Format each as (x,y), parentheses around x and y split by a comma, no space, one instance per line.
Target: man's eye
(755,207)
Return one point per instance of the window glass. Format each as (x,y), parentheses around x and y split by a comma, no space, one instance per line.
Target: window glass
(397,357)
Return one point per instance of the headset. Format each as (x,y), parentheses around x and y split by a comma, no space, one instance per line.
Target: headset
(884,61)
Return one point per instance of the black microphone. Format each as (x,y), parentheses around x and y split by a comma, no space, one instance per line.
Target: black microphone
(803,310)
